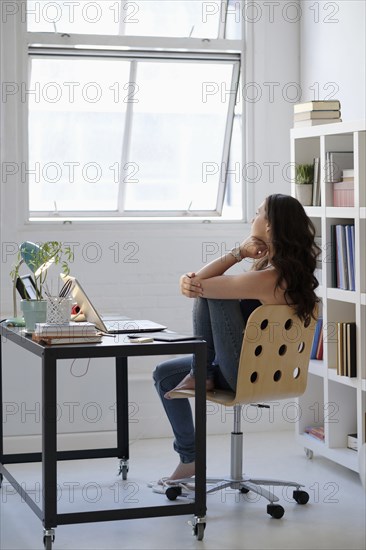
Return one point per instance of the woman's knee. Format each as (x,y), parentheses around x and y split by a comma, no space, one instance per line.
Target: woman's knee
(172,368)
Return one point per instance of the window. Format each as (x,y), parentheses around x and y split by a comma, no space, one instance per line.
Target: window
(118,126)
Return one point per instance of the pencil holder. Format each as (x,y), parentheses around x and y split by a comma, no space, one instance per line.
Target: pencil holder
(58,310)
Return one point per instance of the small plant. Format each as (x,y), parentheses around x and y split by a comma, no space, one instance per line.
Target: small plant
(304,174)
(39,257)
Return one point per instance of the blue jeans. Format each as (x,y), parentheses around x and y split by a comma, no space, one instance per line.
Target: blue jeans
(221,324)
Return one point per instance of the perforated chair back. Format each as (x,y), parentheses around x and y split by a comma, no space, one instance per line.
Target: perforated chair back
(274,357)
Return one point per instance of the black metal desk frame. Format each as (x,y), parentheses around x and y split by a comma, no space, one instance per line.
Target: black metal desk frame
(49,456)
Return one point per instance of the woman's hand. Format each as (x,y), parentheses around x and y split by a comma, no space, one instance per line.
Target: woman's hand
(254,248)
(190,285)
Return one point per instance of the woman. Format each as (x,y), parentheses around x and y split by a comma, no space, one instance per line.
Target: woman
(282,245)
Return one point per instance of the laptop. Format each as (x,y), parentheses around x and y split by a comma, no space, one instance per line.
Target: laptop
(122,325)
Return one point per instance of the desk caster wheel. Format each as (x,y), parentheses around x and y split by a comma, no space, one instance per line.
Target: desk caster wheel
(1,480)
(301,497)
(199,530)
(123,469)
(308,453)
(48,539)
(275,510)
(198,527)
(173,492)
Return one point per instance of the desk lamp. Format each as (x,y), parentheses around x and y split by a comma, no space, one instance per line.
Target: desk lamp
(29,252)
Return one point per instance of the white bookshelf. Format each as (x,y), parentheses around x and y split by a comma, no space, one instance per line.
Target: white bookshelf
(337,402)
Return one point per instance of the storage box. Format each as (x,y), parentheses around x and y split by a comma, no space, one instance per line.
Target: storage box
(343,193)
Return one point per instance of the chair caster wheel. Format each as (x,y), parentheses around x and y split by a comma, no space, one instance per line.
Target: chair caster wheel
(301,497)
(243,490)
(275,510)
(173,492)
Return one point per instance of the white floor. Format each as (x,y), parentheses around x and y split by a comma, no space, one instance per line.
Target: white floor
(333,519)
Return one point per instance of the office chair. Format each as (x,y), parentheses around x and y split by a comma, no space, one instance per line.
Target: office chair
(273,365)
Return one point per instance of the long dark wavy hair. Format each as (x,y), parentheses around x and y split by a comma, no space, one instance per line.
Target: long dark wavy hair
(295,252)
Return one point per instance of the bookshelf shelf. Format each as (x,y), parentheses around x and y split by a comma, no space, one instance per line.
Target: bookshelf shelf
(340,212)
(348,296)
(351,382)
(334,401)
(317,368)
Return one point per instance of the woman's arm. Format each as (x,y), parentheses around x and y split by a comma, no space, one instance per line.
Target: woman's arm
(192,284)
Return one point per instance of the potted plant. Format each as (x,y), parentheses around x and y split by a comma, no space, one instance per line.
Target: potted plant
(38,258)
(304,178)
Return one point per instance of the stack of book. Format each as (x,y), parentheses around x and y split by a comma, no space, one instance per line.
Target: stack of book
(352,442)
(317,347)
(312,113)
(335,164)
(343,256)
(346,349)
(315,431)
(71,333)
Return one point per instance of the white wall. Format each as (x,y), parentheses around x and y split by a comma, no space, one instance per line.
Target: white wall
(149,287)
(333,54)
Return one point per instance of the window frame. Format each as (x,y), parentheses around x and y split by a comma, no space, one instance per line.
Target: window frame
(134,57)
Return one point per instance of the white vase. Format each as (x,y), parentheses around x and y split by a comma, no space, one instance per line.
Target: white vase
(304,193)
(34,311)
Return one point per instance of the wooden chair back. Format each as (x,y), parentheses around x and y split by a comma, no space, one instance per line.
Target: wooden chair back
(274,357)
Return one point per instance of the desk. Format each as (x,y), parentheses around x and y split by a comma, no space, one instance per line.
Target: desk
(49,456)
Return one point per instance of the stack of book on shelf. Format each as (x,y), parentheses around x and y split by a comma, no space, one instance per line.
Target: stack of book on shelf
(317,347)
(313,113)
(71,333)
(335,163)
(343,191)
(352,442)
(346,349)
(343,256)
(315,431)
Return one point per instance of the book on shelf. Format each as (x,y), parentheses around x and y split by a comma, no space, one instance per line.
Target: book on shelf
(315,122)
(346,349)
(348,175)
(343,256)
(351,349)
(317,105)
(350,239)
(314,115)
(335,163)
(59,340)
(333,256)
(340,356)
(69,330)
(319,349)
(315,431)
(316,182)
(316,339)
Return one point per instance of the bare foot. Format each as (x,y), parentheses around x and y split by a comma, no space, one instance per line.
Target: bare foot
(182,471)
(189,383)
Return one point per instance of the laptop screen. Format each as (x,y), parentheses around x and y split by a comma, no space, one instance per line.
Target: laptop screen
(84,303)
